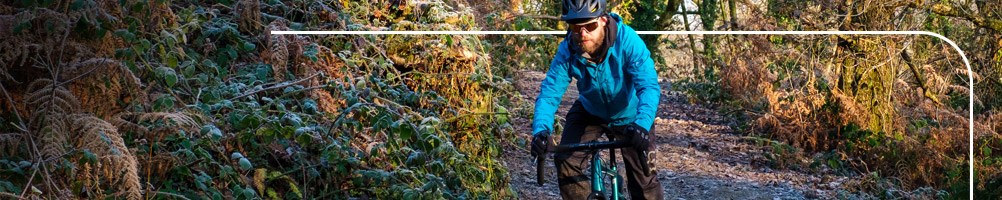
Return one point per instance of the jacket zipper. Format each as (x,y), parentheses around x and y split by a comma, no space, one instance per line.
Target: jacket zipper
(605,95)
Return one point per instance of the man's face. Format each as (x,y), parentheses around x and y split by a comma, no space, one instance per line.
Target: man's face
(589,34)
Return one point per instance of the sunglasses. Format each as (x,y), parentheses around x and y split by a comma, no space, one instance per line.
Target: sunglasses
(589,26)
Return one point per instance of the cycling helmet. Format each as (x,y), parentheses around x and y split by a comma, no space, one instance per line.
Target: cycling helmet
(580,10)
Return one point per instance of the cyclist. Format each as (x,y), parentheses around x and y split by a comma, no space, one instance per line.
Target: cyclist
(619,92)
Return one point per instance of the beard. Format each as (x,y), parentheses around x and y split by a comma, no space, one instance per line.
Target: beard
(591,44)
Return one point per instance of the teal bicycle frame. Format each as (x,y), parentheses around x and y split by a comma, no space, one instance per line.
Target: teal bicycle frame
(599,171)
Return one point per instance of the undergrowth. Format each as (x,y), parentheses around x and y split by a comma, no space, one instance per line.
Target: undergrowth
(892,109)
(195,99)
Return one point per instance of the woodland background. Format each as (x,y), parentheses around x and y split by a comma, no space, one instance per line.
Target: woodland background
(187,99)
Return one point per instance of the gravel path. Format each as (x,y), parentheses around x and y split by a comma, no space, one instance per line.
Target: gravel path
(700,156)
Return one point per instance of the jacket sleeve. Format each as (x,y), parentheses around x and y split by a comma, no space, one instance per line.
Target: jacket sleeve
(645,79)
(551,91)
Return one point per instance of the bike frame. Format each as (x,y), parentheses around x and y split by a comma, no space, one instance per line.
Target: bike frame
(598,170)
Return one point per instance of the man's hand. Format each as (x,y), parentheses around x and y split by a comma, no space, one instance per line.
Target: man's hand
(638,136)
(540,143)
(641,140)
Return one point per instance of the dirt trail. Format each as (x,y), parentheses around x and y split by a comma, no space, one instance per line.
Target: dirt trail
(700,156)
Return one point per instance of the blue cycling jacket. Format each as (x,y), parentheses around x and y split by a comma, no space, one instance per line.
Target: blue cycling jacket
(622,89)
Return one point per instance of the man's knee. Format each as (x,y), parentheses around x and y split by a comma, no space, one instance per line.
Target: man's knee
(568,159)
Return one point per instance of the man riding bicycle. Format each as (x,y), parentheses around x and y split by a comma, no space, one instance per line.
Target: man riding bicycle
(619,94)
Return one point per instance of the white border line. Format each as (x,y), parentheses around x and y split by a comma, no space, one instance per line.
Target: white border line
(970,72)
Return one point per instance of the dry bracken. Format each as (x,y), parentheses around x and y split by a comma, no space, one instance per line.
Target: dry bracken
(249,16)
(277,52)
(116,167)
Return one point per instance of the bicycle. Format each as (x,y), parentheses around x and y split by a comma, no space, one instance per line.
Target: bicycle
(598,170)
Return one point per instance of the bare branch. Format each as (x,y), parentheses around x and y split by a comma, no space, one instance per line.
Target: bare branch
(946,9)
(276,86)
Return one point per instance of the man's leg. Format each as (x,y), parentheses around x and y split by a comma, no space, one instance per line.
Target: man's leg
(580,127)
(639,185)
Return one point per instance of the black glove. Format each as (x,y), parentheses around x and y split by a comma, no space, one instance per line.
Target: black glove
(540,143)
(641,140)
(638,136)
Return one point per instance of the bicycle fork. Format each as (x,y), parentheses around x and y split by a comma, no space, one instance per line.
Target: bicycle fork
(599,172)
